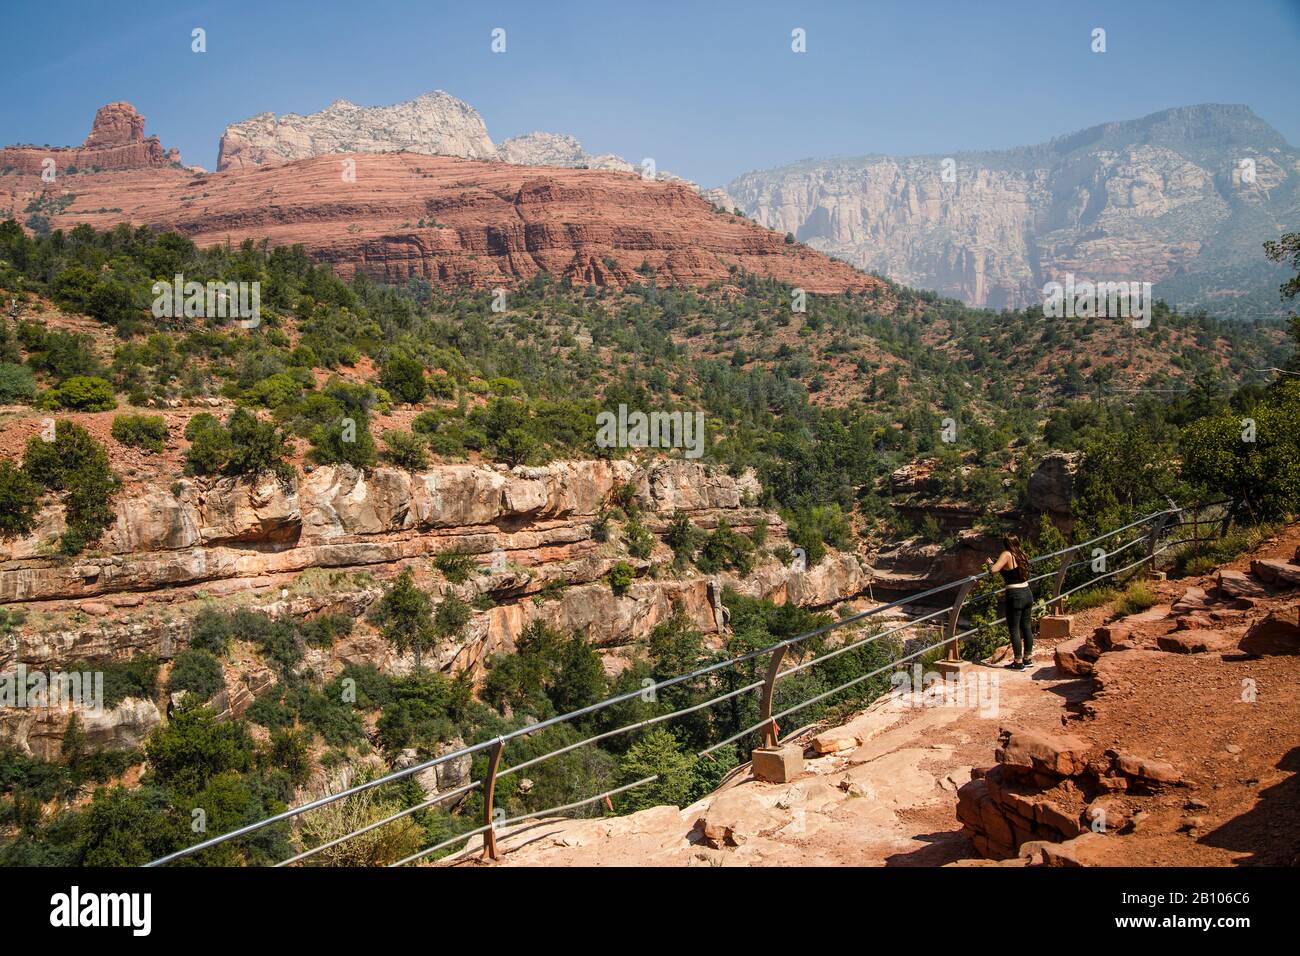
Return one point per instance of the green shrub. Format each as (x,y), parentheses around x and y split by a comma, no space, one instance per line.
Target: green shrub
(346,441)
(640,541)
(1137,597)
(324,630)
(244,446)
(78,465)
(17,383)
(406,450)
(726,549)
(403,378)
(197,672)
(186,753)
(454,565)
(84,393)
(621,576)
(19,501)
(137,677)
(141,431)
(404,616)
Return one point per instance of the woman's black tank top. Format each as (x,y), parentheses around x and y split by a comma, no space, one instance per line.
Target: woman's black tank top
(1013,575)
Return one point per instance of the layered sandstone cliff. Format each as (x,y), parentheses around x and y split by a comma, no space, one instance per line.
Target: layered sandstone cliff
(446,220)
(1178,193)
(531,528)
(116,142)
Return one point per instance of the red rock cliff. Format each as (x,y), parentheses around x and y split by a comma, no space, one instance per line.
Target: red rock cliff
(116,142)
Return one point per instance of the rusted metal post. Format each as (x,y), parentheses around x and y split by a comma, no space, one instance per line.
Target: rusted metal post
(489,792)
(769,693)
(1057,604)
(950,635)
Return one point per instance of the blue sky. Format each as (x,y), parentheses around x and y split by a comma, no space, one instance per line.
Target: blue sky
(710,90)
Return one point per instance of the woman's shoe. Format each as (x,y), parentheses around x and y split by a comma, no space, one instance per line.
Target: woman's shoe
(1016,666)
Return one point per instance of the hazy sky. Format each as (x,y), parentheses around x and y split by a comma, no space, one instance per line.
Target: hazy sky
(708,89)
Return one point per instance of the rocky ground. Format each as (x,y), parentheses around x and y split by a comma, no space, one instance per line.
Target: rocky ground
(1182,727)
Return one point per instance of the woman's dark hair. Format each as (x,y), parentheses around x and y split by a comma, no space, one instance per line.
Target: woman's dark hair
(1012,544)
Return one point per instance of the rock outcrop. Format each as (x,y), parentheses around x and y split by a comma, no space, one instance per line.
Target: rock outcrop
(116,142)
(1049,788)
(219,537)
(1162,199)
(557,149)
(448,220)
(436,124)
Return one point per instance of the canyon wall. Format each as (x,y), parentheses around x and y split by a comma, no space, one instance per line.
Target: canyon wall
(1184,193)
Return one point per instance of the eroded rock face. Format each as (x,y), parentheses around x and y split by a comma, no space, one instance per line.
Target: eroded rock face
(227,536)
(38,731)
(1099,203)
(116,142)
(447,220)
(557,149)
(116,124)
(436,123)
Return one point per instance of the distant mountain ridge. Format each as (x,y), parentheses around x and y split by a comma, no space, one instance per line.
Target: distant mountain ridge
(1182,198)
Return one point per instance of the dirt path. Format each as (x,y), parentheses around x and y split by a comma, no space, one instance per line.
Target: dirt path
(888,798)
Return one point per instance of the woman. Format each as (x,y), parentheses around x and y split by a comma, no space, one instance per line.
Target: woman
(1014,568)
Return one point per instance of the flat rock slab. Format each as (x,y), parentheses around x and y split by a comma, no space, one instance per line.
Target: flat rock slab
(1281,573)
(1152,615)
(1241,584)
(1194,642)
(1193,599)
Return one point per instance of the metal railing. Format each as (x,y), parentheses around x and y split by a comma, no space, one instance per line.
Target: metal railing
(1159,522)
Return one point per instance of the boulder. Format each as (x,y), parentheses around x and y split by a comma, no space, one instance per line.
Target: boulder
(1145,770)
(736,815)
(833,742)
(1277,634)
(1053,816)
(1051,486)
(1058,754)
(1108,635)
(1083,850)
(1076,656)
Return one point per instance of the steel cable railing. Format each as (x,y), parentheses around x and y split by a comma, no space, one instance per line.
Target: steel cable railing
(1161,523)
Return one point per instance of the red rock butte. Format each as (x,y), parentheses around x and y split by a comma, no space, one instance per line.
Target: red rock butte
(116,142)
(401,215)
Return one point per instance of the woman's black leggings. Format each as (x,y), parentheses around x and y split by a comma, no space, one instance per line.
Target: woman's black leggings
(1019,605)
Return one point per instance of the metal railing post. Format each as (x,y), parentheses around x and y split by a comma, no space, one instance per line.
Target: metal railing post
(954,615)
(489,793)
(769,693)
(1227,519)
(1057,604)
(1153,538)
